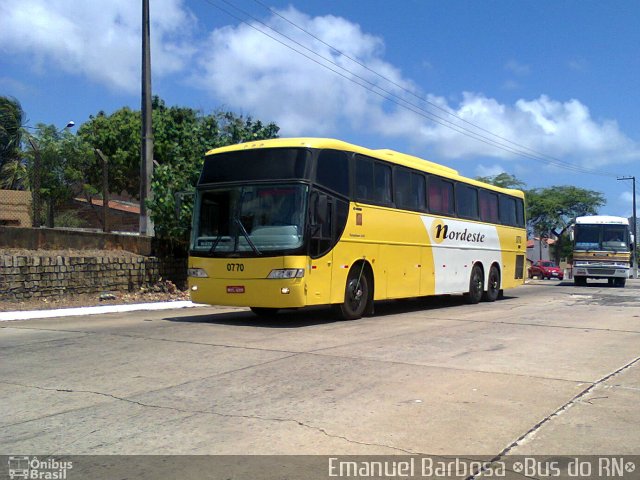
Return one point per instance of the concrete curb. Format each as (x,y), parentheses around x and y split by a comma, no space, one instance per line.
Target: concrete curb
(67,312)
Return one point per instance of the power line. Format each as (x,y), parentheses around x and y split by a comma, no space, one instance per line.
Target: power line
(392,97)
(537,155)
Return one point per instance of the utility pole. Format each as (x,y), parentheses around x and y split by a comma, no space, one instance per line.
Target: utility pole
(635,228)
(146,157)
(35,187)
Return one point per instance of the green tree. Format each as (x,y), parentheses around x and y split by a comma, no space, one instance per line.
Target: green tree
(504,180)
(181,137)
(185,156)
(12,168)
(63,162)
(553,210)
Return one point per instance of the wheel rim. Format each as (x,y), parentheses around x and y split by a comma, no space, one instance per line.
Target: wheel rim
(355,294)
(494,281)
(477,283)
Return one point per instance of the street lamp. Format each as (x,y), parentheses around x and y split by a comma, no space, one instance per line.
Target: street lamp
(70,124)
(635,228)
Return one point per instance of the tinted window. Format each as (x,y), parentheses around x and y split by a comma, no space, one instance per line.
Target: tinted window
(259,164)
(409,189)
(489,206)
(440,196)
(373,180)
(382,182)
(507,210)
(364,178)
(333,171)
(519,213)
(466,201)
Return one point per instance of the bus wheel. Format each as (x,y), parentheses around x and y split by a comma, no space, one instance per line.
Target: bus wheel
(620,282)
(264,312)
(476,285)
(493,286)
(356,295)
(580,281)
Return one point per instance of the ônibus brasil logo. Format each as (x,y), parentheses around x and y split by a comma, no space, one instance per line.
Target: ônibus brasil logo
(34,468)
(440,232)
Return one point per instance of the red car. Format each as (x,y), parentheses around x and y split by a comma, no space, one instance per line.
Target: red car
(545,269)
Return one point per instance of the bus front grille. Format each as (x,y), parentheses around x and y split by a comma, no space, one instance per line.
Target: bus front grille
(601,271)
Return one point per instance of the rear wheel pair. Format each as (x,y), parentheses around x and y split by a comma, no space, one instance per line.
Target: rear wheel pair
(476,285)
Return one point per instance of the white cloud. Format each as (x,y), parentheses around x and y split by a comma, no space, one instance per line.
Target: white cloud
(100,39)
(252,73)
(246,68)
(517,68)
(578,64)
(307,99)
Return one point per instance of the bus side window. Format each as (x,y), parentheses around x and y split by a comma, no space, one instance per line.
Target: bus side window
(508,210)
(373,180)
(466,201)
(488,206)
(440,196)
(364,178)
(519,213)
(382,183)
(401,187)
(409,190)
(333,171)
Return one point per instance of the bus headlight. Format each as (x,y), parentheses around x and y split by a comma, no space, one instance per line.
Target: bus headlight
(287,273)
(197,273)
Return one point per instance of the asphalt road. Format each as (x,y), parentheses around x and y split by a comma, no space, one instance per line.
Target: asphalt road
(551,369)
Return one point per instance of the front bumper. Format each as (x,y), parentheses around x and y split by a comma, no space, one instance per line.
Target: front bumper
(591,271)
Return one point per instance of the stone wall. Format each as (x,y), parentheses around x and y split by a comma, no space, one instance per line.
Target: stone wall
(37,276)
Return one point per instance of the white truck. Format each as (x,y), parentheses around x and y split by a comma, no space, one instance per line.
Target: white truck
(601,249)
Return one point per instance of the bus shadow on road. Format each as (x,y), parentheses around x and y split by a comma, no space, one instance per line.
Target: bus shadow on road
(311,316)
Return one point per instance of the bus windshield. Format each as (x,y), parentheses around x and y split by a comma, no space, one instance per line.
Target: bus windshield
(249,220)
(602,237)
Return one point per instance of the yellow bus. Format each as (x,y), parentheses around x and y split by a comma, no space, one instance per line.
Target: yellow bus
(295,222)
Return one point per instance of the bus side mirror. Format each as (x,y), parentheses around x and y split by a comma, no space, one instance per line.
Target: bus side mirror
(571,235)
(179,198)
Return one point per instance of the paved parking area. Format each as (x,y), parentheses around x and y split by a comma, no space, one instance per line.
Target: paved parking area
(552,369)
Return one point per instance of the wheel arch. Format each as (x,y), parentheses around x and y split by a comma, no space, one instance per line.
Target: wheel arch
(367,269)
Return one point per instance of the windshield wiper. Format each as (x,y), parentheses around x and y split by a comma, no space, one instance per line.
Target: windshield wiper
(215,244)
(246,235)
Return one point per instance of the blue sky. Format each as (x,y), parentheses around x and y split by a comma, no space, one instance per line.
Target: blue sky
(558,79)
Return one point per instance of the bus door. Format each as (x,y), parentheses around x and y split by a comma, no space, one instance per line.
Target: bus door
(321,233)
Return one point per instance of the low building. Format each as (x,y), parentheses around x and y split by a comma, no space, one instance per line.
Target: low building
(15,208)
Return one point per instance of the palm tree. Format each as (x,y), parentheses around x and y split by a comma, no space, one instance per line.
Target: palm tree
(13,173)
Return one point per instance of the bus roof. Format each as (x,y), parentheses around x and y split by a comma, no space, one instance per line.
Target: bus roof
(390,156)
(601,220)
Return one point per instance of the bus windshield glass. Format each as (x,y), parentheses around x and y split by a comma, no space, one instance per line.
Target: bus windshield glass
(250,220)
(602,237)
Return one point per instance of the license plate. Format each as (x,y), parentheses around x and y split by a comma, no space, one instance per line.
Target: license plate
(235,289)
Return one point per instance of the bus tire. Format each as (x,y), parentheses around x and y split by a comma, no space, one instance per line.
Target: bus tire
(476,285)
(493,285)
(620,282)
(580,281)
(264,311)
(356,294)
